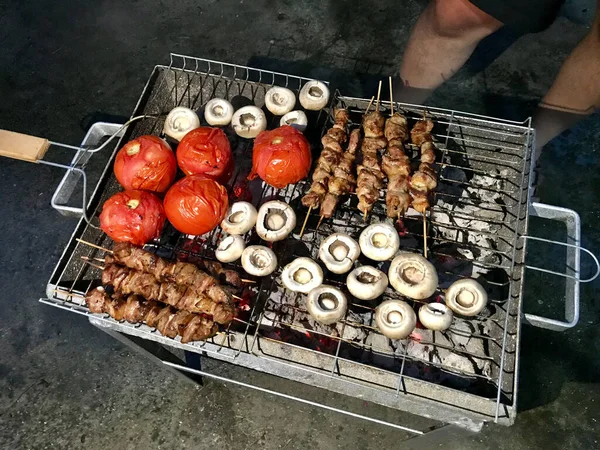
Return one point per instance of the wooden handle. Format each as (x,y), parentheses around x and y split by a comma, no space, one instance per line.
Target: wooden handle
(22,146)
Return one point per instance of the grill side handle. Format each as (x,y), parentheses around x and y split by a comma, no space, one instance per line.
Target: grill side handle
(573,265)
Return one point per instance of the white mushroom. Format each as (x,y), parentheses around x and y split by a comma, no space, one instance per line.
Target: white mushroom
(218,112)
(412,275)
(379,241)
(395,319)
(180,121)
(314,95)
(259,260)
(280,100)
(230,249)
(366,282)
(302,275)
(240,218)
(326,304)
(435,316)
(466,297)
(249,121)
(296,119)
(275,220)
(338,252)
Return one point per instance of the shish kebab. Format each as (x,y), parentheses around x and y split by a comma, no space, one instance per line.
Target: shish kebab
(395,163)
(127,281)
(329,159)
(169,321)
(370,177)
(423,180)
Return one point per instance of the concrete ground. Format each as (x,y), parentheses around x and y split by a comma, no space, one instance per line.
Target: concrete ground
(64,384)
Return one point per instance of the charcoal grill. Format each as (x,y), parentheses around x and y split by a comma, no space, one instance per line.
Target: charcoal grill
(477,227)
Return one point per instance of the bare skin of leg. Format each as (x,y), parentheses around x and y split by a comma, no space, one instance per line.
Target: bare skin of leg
(441,41)
(575,93)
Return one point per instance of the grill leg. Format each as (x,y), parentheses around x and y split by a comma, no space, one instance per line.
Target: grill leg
(157,353)
(437,436)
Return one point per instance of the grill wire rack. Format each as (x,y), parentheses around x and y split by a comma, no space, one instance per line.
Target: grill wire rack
(477,227)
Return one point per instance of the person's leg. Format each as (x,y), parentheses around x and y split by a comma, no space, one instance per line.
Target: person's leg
(576,90)
(441,41)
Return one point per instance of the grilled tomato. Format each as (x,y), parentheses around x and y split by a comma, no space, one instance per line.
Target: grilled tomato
(206,150)
(281,156)
(196,204)
(133,216)
(146,163)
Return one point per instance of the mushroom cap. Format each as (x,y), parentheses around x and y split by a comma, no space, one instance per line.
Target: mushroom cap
(218,111)
(180,121)
(259,260)
(275,220)
(249,121)
(230,248)
(412,275)
(302,275)
(379,241)
(395,319)
(280,100)
(466,297)
(338,252)
(240,218)
(366,282)
(314,95)
(435,316)
(326,304)
(296,119)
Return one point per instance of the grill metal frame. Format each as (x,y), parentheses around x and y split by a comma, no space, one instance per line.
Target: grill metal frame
(191,82)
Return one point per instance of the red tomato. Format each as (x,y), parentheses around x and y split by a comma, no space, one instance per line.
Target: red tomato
(196,204)
(280,156)
(206,150)
(133,216)
(146,163)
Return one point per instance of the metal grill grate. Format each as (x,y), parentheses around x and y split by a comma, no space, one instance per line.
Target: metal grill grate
(473,229)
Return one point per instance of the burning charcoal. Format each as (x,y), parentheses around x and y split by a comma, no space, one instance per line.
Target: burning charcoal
(460,363)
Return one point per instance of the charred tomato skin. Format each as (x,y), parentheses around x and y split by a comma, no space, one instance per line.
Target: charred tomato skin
(281,157)
(196,204)
(146,163)
(133,216)
(206,151)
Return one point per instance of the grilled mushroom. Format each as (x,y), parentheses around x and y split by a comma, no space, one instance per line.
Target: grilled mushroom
(180,121)
(314,95)
(412,275)
(435,316)
(275,221)
(218,112)
(296,119)
(249,121)
(230,249)
(259,260)
(466,297)
(240,218)
(280,100)
(395,319)
(379,241)
(302,275)
(366,282)
(339,251)
(326,304)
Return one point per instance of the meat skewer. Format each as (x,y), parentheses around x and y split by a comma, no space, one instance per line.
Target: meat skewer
(423,180)
(329,159)
(370,177)
(165,271)
(395,163)
(166,319)
(189,298)
(343,180)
